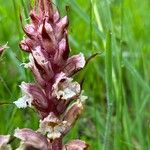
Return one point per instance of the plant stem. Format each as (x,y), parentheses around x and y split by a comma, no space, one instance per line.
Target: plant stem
(108,78)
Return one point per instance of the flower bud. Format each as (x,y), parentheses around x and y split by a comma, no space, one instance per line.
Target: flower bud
(73,113)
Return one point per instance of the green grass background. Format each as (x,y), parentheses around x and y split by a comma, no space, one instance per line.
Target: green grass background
(117,81)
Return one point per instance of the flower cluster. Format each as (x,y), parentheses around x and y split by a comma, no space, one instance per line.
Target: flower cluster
(56,97)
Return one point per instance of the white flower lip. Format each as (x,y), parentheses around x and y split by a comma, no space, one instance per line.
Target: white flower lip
(26,99)
(64,88)
(23,102)
(52,126)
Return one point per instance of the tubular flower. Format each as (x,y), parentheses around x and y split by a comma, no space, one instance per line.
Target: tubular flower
(75,145)
(64,88)
(52,126)
(31,140)
(47,43)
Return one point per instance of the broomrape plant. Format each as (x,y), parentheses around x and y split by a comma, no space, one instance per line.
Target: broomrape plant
(56,97)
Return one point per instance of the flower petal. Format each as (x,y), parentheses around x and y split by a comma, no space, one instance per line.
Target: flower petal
(23,102)
(32,95)
(47,37)
(60,27)
(73,113)
(62,53)
(35,19)
(35,70)
(27,44)
(56,16)
(4,139)
(64,88)
(42,61)
(74,64)
(48,9)
(32,139)
(75,145)
(30,31)
(52,126)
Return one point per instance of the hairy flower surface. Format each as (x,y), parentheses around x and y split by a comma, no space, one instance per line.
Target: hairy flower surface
(52,126)
(31,140)
(75,145)
(64,88)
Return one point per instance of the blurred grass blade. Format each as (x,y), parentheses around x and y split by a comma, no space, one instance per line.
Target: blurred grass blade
(136,76)
(108,78)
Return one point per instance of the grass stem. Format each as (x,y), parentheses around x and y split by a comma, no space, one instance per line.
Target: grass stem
(108,78)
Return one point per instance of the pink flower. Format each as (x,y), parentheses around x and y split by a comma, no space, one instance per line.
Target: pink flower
(47,43)
(53,127)
(76,145)
(31,140)
(74,64)
(4,139)
(32,95)
(64,88)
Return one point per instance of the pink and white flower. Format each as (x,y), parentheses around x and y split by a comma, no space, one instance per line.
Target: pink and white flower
(4,139)
(31,140)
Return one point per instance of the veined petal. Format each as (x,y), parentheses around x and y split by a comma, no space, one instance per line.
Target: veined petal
(30,31)
(4,139)
(73,113)
(35,19)
(39,56)
(26,99)
(75,145)
(56,16)
(60,27)
(24,45)
(48,9)
(62,23)
(35,70)
(42,61)
(40,8)
(64,88)
(49,30)
(52,126)
(32,94)
(74,64)
(47,38)
(62,53)
(31,139)
(27,44)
